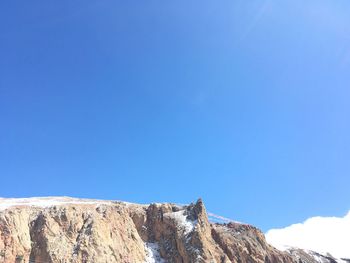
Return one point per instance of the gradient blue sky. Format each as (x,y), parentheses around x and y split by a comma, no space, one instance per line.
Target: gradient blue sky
(242,103)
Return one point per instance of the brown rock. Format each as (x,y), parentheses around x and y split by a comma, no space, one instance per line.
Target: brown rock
(90,231)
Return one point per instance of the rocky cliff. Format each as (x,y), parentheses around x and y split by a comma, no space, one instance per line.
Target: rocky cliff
(63,230)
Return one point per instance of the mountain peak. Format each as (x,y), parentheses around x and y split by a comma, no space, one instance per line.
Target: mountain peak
(64,229)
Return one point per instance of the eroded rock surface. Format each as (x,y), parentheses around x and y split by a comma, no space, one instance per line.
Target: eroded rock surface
(70,230)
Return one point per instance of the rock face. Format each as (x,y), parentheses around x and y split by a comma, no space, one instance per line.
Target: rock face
(70,230)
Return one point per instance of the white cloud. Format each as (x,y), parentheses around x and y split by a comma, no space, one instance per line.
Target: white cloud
(320,234)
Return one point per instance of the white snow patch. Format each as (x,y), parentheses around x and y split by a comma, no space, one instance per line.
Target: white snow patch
(321,258)
(152,253)
(316,256)
(181,218)
(321,234)
(43,202)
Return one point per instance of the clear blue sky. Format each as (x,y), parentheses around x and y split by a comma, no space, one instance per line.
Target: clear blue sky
(242,103)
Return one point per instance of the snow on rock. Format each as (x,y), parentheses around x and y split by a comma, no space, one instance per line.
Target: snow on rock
(152,253)
(181,219)
(322,258)
(6,203)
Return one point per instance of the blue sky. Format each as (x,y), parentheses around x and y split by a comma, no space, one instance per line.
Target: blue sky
(242,103)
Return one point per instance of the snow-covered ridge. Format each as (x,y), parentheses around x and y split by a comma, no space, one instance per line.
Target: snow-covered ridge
(213,218)
(43,202)
(50,201)
(320,258)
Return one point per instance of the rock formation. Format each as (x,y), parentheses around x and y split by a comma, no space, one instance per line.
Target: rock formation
(63,230)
